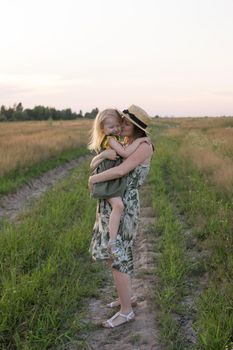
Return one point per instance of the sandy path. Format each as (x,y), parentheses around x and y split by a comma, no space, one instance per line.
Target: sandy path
(12,204)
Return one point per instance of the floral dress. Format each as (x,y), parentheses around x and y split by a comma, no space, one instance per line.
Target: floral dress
(128,224)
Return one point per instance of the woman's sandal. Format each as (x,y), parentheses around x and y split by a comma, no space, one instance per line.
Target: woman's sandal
(129,317)
(116,302)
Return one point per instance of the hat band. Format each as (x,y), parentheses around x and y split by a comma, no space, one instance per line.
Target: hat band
(135,119)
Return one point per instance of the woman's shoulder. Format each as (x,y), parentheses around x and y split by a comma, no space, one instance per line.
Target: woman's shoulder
(146,148)
(145,151)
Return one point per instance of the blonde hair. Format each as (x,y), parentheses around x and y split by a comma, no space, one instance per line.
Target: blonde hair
(97,134)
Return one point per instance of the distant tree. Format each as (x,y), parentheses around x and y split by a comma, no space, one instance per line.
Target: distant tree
(3,118)
(19,108)
(17,112)
(92,114)
(9,113)
(3,114)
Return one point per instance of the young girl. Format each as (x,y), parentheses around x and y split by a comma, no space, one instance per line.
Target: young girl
(105,134)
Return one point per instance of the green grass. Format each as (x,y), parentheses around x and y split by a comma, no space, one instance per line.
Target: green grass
(179,188)
(46,272)
(171,266)
(13,180)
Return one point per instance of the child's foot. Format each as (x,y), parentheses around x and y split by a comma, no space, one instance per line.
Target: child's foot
(113,249)
(116,302)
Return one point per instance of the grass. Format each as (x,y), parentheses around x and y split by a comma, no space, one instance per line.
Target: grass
(29,149)
(172,266)
(45,268)
(46,274)
(20,176)
(180,187)
(24,144)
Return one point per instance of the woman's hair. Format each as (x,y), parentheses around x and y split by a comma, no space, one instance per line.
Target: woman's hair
(97,134)
(137,132)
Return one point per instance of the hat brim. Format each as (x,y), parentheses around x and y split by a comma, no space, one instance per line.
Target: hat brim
(133,122)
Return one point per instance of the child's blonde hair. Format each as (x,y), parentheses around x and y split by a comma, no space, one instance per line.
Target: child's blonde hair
(97,134)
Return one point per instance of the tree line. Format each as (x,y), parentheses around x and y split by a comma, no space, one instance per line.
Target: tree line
(18,113)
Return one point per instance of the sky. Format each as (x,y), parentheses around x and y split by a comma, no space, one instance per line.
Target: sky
(171,57)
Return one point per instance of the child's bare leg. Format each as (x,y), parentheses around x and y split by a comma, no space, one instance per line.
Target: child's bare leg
(115,216)
(114,221)
(97,212)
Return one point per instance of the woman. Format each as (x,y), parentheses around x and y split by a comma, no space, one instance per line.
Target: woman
(135,122)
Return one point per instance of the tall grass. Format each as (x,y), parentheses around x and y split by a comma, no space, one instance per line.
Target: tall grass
(208,144)
(209,212)
(46,271)
(172,264)
(24,144)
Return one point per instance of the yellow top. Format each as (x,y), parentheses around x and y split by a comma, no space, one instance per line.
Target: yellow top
(105,142)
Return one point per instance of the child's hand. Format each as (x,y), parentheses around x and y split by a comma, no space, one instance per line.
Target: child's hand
(145,139)
(110,154)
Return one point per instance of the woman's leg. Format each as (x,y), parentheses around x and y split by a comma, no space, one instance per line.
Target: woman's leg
(123,286)
(117,302)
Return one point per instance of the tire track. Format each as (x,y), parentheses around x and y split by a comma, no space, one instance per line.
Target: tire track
(13,203)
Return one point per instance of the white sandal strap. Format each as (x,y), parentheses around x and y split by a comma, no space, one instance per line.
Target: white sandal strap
(110,323)
(129,316)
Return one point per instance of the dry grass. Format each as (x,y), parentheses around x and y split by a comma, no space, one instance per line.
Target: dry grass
(25,143)
(208,143)
(218,169)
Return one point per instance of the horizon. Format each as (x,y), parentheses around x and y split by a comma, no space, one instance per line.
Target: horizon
(151,115)
(174,59)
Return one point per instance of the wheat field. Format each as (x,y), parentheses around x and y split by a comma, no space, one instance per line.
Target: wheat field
(208,143)
(23,144)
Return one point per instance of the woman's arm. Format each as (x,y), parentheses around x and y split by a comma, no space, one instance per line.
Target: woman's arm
(143,152)
(107,154)
(126,152)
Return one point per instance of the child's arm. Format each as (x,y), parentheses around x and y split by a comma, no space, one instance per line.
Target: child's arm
(107,154)
(96,161)
(126,152)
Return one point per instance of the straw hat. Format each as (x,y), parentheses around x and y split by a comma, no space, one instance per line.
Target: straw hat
(137,116)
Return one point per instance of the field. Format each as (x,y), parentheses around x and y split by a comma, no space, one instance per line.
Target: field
(26,143)
(30,148)
(193,191)
(46,274)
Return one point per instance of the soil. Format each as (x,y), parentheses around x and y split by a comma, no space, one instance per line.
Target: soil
(13,203)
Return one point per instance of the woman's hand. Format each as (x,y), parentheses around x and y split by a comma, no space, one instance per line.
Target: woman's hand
(109,154)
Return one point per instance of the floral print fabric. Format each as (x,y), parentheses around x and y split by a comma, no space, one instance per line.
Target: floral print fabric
(128,224)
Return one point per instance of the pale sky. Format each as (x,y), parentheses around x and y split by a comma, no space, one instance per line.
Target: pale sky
(171,57)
